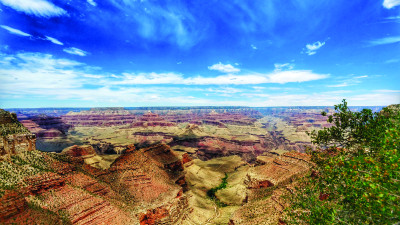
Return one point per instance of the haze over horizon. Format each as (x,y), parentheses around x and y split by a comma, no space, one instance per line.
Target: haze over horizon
(121,53)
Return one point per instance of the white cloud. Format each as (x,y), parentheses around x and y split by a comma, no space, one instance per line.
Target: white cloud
(280,77)
(93,3)
(384,41)
(363,76)
(283,77)
(36,71)
(344,84)
(284,66)
(75,51)
(253,47)
(350,81)
(42,76)
(55,41)
(224,91)
(372,98)
(390,3)
(311,49)
(15,31)
(225,68)
(375,98)
(41,8)
(150,78)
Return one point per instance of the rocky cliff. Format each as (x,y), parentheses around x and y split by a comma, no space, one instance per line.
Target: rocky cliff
(14,137)
(267,184)
(99,117)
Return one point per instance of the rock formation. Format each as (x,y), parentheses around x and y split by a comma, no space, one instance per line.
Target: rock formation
(14,137)
(265,205)
(99,117)
(151,120)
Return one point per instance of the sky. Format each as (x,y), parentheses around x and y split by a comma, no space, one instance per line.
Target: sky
(127,53)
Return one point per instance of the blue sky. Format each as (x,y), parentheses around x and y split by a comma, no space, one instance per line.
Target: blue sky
(88,53)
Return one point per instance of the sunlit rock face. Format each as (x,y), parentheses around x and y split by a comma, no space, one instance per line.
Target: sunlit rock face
(14,138)
(47,127)
(99,117)
(150,119)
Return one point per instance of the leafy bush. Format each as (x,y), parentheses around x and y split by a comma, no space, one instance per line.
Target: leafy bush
(356,177)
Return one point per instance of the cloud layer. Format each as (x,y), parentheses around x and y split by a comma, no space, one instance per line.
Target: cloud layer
(15,31)
(311,49)
(225,68)
(391,3)
(41,8)
(75,51)
(385,41)
(37,75)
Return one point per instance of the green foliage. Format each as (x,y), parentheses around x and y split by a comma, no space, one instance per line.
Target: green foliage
(356,177)
(212,191)
(11,125)
(25,164)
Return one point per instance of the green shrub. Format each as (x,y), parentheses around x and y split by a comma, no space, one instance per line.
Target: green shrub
(356,177)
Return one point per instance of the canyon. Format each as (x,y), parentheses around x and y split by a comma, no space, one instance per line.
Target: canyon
(152,165)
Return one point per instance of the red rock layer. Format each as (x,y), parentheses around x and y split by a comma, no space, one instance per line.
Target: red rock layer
(12,203)
(99,118)
(78,151)
(145,175)
(265,207)
(152,120)
(43,182)
(84,208)
(153,215)
(170,213)
(186,158)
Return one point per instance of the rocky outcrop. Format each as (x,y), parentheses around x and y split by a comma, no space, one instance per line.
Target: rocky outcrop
(213,147)
(216,117)
(82,207)
(153,216)
(14,137)
(171,213)
(99,117)
(11,203)
(16,143)
(186,158)
(264,204)
(146,175)
(43,182)
(280,171)
(78,151)
(151,120)
(47,127)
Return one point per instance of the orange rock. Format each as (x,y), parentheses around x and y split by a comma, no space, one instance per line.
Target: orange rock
(44,182)
(78,151)
(186,158)
(152,216)
(11,204)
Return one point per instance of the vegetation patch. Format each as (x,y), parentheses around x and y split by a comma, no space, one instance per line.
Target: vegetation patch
(356,177)
(10,124)
(212,191)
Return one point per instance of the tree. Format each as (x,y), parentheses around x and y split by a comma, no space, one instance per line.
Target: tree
(356,177)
